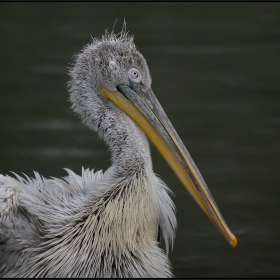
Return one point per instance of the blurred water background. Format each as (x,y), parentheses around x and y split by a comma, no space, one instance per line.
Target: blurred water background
(215,70)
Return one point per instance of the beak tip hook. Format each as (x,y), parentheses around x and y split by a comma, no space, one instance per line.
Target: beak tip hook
(233,242)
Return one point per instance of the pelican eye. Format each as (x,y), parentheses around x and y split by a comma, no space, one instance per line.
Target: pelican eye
(134,74)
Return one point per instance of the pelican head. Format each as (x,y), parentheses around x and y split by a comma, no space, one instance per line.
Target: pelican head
(111,78)
(107,63)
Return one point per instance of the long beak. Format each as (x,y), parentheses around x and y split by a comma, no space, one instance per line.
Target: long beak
(144,109)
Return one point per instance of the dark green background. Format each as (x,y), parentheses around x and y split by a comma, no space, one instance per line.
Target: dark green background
(215,70)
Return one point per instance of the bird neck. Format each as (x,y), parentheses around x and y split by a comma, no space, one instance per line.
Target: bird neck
(129,146)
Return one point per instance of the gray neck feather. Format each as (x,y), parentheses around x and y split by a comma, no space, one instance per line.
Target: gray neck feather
(126,141)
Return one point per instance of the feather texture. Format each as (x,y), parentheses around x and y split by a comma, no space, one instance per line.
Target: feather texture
(97,224)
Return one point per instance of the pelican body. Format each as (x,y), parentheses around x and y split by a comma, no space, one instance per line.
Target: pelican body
(104,224)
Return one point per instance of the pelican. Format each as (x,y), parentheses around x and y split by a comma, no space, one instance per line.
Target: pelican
(104,224)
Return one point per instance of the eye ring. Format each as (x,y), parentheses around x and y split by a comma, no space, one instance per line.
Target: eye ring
(134,74)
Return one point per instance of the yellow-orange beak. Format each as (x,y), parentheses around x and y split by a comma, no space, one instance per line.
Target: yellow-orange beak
(143,108)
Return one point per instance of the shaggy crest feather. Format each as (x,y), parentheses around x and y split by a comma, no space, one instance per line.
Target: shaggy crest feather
(97,224)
